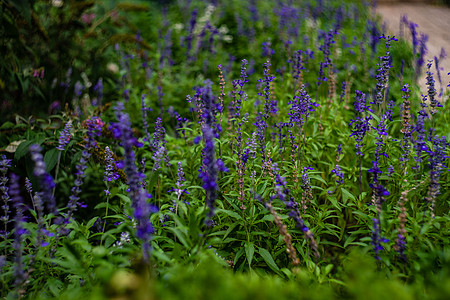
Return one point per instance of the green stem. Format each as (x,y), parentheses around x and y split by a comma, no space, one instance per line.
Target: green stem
(57,171)
(106,215)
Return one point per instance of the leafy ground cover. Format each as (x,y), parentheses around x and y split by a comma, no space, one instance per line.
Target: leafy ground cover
(227,149)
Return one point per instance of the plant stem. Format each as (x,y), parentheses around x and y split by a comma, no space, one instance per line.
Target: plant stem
(57,171)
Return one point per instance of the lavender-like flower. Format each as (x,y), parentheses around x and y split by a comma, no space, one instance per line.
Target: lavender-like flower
(361,125)
(422,51)
(45,179)
(64,136)
(344,88)
(339,175)
(306,187)
(400,242)
(379,191)
(242,95)
(142,209)
(188,39)
(94,125)
(180,182)
(208,173)
(374,35)
(29,187)
(383,71)
(78,89)
(377,239)
(267,51)
(5,164)
(407,127)
(301,106)
(181,123)
(328,40)
(144,110)
(16,198)
(298,63)
(415,42)
(437,159)
(337,169)
(159,145)
(98,88)
(284,194)
(432,90)
(269,107)
(419,142)
(110,164)
(281,136)
(261,126)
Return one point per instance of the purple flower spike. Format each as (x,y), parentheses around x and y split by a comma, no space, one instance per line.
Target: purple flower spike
(208,173)
(339,175)
(110,174)
(377,239)
(270,107)
(142,208)
(19,271)
(46,180)
(361,125)
(65,136)
(432,90)
(95,126)
(5,164)
(284,194)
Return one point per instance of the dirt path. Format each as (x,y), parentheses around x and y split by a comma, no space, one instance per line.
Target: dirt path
(433,21)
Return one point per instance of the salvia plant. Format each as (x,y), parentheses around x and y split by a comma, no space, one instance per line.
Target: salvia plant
(236,149)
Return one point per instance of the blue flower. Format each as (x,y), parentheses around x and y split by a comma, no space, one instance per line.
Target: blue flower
(19,230)
(208,172)
(5,164)
(65,136)
(45,179)
(142,208)
(361,125)
(270,107)
(377,239)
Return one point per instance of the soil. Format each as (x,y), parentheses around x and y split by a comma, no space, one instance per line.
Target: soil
(432,20)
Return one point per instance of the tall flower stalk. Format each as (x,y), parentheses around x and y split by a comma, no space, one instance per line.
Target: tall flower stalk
(142,209)
(5,164)
(46,181)
(283,193)
(109,176)
(94,129)
(63,141)
(208,173)
(359,127)
(19,231)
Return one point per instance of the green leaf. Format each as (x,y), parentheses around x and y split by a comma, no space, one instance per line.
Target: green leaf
(238,255)
(181,236)
(55,286)
(374,116)
(126,199)
(51,158)
(249,251)
(319,178)
(268,259)
(23,6)
(230,213)
(22,149)
(346,195)
(7,125)
(328,269)
(91,222)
